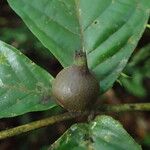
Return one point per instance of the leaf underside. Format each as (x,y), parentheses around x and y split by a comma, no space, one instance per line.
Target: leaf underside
(24,86)
(107,30)
(104,133)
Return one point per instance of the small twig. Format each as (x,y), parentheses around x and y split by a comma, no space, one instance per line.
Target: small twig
(54,119)
(125,107)
(35,125)
(148,26)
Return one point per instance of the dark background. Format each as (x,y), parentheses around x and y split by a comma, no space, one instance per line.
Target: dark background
(13,31)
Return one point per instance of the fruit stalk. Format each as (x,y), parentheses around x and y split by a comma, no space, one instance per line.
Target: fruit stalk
(80,59)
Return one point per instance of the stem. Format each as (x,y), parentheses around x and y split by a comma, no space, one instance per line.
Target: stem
(125,107)
(148,26)
(80,59)
(35,125)
(54,119)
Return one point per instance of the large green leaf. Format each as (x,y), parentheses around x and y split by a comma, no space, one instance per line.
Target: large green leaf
(24,86)
(104,133)
(108,30)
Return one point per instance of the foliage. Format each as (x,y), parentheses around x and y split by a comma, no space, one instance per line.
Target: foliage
(107,30)
(137,69)
(24,40)
(24,86)
(104,132)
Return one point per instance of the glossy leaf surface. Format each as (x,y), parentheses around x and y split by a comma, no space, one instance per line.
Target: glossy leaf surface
(24,86)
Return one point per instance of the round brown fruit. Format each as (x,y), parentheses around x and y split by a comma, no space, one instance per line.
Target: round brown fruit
(75,88)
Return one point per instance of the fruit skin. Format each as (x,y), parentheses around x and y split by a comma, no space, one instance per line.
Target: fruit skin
(75,88)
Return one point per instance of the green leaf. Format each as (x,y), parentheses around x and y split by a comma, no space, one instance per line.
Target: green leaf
(24,86)
(140,56)
(135,84)
(104,133)
(108,30)
(138,68)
